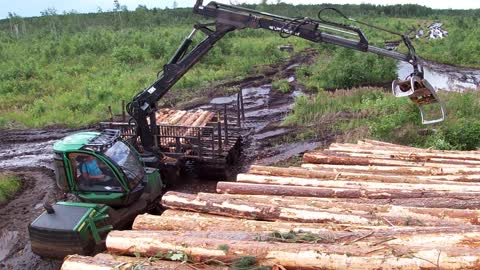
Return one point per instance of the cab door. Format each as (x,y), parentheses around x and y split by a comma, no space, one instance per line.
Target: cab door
(94,180)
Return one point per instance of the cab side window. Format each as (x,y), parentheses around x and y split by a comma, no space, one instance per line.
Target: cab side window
(91,174)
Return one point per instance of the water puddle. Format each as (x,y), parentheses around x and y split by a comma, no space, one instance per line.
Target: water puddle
(271,134)
(224,100)
(33,154)
(443,78)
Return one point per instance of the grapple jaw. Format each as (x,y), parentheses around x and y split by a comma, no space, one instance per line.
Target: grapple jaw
(422,93)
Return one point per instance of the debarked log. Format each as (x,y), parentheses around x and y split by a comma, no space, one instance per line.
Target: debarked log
(392,170)
(342,214)
(175,220)
(405,157)
(335,192)
(371,184)
(404,215)
(466,202)
(399,154)
(322,158)
(298,255)
(366,176)
(425,237)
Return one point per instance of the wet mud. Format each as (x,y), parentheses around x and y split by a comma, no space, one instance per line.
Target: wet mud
(37,188)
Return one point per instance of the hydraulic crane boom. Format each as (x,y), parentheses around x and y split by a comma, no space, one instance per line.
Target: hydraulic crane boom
(229,18)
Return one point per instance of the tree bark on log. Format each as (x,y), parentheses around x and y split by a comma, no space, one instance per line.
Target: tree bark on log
(425,237)
(399,154)
(108,262)
(472,202)
(418,216)
(334,192)
(413,157)
(423,185)
(174,220)
(421,214)
(303,256)
(179,115)
(395,170)
(366,176)
(322,158)
(370,215)
(384,144)
(249,210)
(370,184)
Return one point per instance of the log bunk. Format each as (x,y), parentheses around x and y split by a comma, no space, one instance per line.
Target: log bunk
(211,139)
(370,205)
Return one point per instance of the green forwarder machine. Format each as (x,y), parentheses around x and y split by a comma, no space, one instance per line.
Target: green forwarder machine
(127,188)
(129,183)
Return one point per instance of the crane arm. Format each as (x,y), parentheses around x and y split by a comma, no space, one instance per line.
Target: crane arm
(229,18)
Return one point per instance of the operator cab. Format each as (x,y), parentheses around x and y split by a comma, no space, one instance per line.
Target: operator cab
(99,167)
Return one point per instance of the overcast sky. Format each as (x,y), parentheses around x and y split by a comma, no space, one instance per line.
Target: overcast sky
(27,8)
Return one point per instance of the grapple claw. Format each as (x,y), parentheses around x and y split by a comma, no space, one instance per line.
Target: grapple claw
(422,93)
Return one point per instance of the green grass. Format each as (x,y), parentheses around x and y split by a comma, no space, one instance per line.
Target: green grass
(9,185)
(66,70)
(282,86)
(381,116)
(337,68)
(68,82)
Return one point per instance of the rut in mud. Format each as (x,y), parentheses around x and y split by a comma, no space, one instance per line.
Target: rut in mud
(15,216)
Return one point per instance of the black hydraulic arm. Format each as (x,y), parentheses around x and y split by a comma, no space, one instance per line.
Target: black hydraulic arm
(305,28)
(143,104)
(229,18)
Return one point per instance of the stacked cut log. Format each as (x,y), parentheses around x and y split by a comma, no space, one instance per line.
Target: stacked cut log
(370,205)
(172,117)
(182,118)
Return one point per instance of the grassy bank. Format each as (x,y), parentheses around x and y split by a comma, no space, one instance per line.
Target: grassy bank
(371,112)
(9,186)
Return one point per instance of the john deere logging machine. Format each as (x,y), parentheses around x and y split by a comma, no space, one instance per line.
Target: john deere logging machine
(129,183)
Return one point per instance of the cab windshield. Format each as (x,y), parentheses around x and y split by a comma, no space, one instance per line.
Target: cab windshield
(128,160)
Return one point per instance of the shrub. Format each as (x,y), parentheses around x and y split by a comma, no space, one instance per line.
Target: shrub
(128,54)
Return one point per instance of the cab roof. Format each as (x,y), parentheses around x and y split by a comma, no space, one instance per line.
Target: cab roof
(74,141)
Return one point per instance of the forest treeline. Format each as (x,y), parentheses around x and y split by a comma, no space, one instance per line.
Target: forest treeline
(52,21)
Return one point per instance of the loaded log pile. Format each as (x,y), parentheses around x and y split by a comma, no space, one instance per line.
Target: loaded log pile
(172,117)
(370,205)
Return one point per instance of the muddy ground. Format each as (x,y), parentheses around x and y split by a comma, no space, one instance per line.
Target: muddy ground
(28,153)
